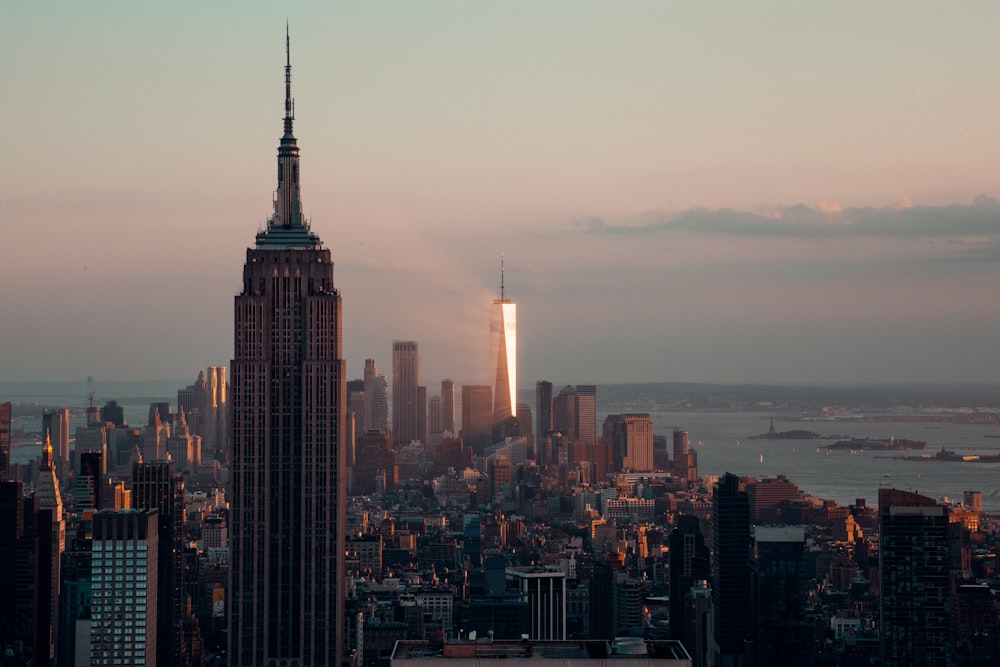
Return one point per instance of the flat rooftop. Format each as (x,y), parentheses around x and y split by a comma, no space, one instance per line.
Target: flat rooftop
(626,648)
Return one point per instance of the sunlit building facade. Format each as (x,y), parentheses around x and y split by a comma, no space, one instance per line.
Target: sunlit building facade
(503,356)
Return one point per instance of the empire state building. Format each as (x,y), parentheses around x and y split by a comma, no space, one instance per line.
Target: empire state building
(288,435)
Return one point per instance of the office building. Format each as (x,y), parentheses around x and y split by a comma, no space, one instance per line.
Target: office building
(49,499)
(448,406)
(574,413)
(769,496)
(784,636)
(914,570)
(155,486)
(503,354)
(477,416)
(376,404)
(56,424)
(689,563)
(205,405)
(124,586)
(631,440)
(405,398)
(731,586)
(586,414)
(685,460)
(288,442)
(5,419)
(545,591)
(543,409)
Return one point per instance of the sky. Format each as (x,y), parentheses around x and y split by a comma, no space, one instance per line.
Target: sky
(764,192)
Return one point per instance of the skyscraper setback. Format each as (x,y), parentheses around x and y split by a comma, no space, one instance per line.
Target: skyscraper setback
(288,440)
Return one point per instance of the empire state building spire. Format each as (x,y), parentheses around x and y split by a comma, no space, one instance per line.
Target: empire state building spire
(287,228)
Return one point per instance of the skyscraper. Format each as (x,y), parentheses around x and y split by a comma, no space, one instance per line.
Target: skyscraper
(155,486)
(50,500)
(631,440)
(405,402)
(503,354)
(448,405)
(784,636)
(5,413)
(376,412)
(731,591)
(123,628)
(56,424)
(543,401)
(288,445)
(477,431)
(914,565)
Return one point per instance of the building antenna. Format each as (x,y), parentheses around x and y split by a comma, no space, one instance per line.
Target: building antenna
(501,275)
(289,104)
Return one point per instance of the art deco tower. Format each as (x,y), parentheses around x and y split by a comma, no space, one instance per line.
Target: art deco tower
(288,418)
(503,354)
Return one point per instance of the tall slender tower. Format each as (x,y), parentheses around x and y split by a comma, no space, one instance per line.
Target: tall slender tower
(503,354)
(288,440)
(405,401)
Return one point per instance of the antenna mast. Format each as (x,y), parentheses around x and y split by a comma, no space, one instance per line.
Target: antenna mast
(501,275)
(289,104)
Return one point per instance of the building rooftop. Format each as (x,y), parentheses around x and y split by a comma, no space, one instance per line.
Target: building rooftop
(623,648)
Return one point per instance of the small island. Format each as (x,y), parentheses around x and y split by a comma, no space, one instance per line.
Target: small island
(880,444)
(794,434)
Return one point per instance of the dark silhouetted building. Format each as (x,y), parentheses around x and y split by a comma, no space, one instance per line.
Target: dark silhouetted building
(689,562)
(731,600)
(914,578)
(288,441)
(155,486)
(780,576)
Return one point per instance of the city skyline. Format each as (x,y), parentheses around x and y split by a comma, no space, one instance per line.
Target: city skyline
(762,194)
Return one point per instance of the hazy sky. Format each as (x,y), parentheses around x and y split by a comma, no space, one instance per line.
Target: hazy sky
(684,191)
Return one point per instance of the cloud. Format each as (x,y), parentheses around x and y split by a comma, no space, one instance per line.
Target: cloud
(981,218)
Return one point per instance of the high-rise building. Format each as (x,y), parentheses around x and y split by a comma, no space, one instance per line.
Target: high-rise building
(113,413)
(205,405)
(914,571)
(448,405)
(5,418)
(586,414)
(784,636)
(477,416)
(631,441)
(376,412)
(124,580)
(56,424)
(685,460)
(288,443)
(543,411)
(769,496)
(689,563)
(356,403)
(155,486)
(50,499)
(434,415)
(405,402)
(731,601)
(503,354)
(574,413)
